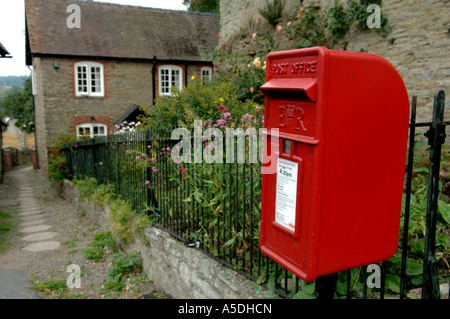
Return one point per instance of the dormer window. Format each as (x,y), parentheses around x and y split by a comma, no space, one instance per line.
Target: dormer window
(89,79)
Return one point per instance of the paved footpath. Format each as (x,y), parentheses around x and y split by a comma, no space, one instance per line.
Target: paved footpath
(37,236)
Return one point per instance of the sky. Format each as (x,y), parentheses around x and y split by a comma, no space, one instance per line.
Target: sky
(12,29)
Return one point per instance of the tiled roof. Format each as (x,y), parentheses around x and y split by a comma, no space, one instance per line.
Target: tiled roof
(118,31)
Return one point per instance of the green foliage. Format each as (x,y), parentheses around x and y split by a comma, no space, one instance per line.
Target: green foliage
(49,286)
(56,169)
(86,187)
(212,6)
(272,12)
(5,227)
(96,249)
(125,221)
(122,266)
(198,100)
(18,104)
(338,20)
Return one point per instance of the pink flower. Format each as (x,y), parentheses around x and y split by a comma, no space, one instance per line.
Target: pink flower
(138,158)
(147,182)
(154,169)
(153,159)
(279,27)
(254,36)
(227,115)
(149,146)
(127,151)
(258,108)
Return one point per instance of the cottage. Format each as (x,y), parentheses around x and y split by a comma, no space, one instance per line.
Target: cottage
(90,77)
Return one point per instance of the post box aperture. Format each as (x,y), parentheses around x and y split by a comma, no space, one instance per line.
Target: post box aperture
(338,124)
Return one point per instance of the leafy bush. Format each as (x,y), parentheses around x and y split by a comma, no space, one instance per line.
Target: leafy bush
(56,169)
(198,100)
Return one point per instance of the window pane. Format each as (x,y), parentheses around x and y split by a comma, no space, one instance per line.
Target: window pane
(175,78)
(95,80)
(165,83)
(82,79)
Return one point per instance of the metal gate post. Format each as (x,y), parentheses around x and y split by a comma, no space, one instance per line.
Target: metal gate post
(326,286)
(436,137)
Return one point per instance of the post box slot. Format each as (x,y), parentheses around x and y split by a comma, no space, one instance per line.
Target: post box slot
(305,89)
(287,147)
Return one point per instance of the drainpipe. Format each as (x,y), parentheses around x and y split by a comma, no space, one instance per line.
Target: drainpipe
(154,80)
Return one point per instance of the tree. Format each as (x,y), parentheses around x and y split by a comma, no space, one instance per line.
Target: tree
(19,105)
(203,5)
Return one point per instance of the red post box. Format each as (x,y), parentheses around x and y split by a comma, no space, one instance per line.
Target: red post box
(337,123)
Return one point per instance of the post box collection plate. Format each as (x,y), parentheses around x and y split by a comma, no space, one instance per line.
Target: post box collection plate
(337,123)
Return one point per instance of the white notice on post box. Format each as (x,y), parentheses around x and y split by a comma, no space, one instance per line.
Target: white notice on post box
(286,197)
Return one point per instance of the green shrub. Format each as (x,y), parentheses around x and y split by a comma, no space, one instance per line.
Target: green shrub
(56,169)
(198,100)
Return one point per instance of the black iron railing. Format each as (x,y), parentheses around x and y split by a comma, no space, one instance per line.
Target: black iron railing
(216,207)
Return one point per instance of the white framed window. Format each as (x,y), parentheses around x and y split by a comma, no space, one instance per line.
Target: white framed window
(170,76)
(91,130)
(206,73)
(33,81)
(89,79)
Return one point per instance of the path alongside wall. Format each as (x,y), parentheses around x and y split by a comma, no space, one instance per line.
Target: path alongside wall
(179,271)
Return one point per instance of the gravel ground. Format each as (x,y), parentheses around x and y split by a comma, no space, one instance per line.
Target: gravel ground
(75,233)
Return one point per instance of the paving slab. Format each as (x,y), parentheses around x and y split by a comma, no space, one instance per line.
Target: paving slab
(33,222)
(36,212)
(43,245)
(33,217)
(40,237)
(35,229)
(30,209)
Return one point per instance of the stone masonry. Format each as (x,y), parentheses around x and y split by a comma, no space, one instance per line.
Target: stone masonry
(417,45)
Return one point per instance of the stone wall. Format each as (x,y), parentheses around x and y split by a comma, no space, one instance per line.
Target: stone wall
(417,44)
(179,271)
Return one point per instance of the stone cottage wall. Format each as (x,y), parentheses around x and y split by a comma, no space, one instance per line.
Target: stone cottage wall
(59,110)
(417,45)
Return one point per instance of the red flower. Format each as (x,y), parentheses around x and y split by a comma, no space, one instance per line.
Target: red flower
(222,108)
(182,170)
